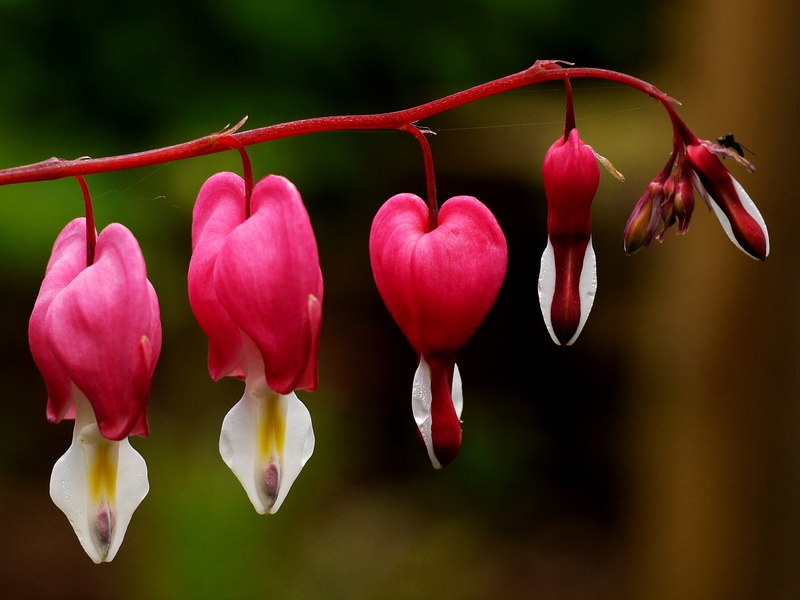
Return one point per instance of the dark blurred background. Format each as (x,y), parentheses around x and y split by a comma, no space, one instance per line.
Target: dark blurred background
(655,459)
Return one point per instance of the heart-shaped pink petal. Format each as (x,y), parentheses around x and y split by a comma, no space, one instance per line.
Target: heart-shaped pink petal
(219,209)
(440,284)
(255,283)
(98,328)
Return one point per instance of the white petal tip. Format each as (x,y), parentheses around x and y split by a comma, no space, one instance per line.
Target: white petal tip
(587,289)
(98,484)
(266,440)
(421,399)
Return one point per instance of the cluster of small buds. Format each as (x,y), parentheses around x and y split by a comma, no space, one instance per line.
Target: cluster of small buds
(568,272)
(669,198)
(667,201)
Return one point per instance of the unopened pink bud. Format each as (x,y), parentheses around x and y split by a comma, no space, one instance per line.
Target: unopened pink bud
(683,203)
(643,222)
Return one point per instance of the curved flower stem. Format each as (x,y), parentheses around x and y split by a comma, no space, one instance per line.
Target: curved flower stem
(91,238)
(541,71)
(247,169)
(569,122)
(681,130)
(430,176)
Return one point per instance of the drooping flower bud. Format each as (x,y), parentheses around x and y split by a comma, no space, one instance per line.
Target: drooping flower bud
(736,212)
(568,273)
(642,225)
(683,200)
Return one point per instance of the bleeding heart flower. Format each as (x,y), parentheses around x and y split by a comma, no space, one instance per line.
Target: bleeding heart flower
(95,335)
(255,286)
(438,285)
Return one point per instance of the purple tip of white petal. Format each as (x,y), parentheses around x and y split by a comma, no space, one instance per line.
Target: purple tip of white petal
(587,288)
(266,440)
(421,399)
(749,207)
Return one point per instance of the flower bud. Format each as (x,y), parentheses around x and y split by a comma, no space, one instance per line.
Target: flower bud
(735,210)
(643,222)
(568,273)
(683,203)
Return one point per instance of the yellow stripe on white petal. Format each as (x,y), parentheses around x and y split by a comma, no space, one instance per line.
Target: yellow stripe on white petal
(266,440)
(98,484)
(421,399)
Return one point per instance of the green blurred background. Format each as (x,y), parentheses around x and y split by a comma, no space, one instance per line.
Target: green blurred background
(657,458)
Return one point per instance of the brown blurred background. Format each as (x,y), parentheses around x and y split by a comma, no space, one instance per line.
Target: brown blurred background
(655,459)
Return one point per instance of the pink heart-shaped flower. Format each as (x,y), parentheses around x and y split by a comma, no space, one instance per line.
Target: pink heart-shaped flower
(257,279)
(438,285)
(95,330)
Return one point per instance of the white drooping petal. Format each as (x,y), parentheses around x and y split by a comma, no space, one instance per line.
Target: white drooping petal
(98,484)
(266,440)
(747,203)
(587,288)
(421,398)
(547,287)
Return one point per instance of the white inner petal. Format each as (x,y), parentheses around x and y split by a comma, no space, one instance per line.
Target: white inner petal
(587,288)
(456,393)
(421,398)
(748,205)
(266,440)
(751,209)
(547,288)
(98,484)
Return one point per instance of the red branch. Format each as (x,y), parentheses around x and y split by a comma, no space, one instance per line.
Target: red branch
(541,71)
